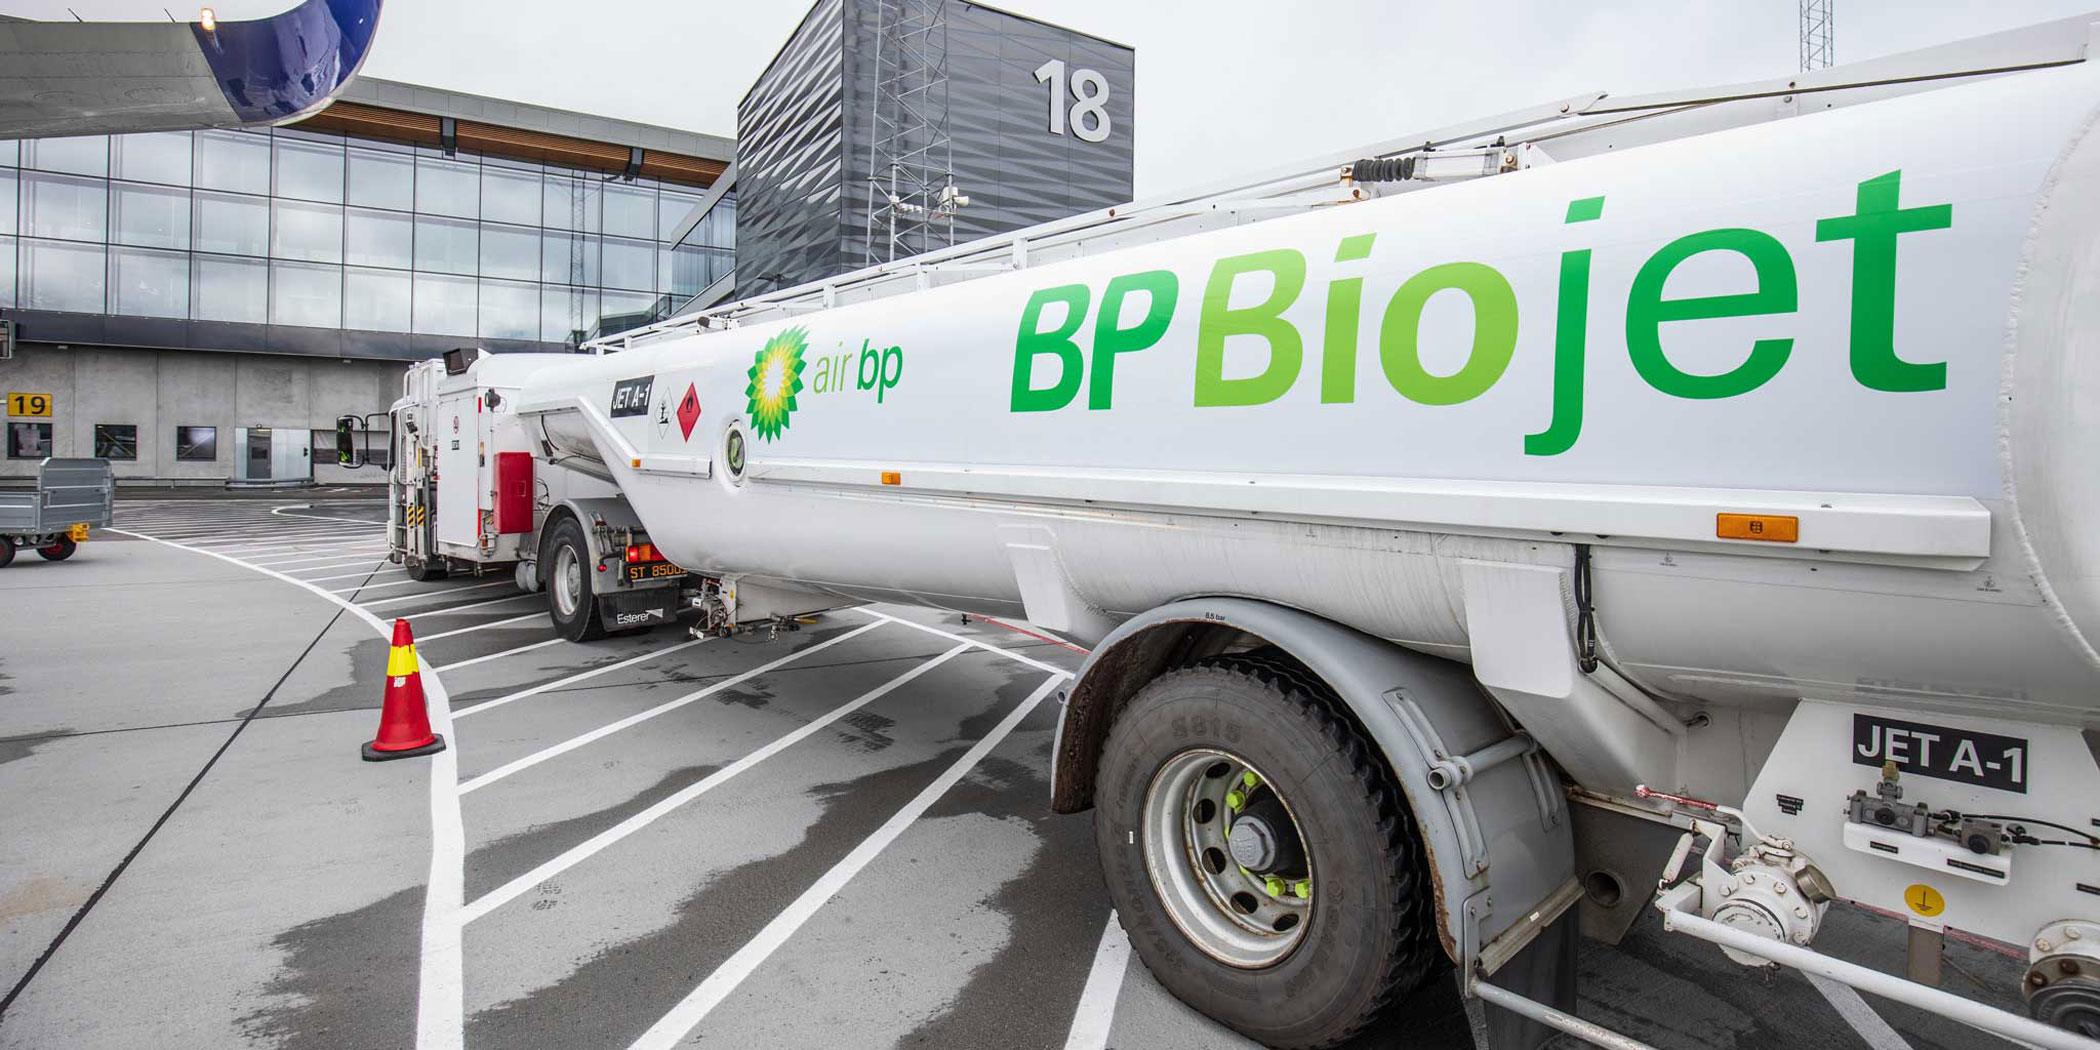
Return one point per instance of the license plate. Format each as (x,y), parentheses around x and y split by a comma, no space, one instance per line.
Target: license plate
(1943,753)
(652,570)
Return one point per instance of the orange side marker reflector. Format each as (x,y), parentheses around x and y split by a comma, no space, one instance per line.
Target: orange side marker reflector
(1771,528)
(891,477)
(637,464)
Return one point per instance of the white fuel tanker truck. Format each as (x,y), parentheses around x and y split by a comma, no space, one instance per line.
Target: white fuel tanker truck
(1473,530)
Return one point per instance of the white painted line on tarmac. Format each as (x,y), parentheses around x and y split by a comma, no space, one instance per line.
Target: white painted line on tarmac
(280,512)
(365,587)
(498,656)
(470,607)
(511,890)
(347,575)
(441,986)
(368,560)
(485,626)
(952,636)
(572,679)
(439,591)
(1870,1025)
(224,540)
(1096,1012)
(262,543)
(672,1029)
(667,707)
(375,552)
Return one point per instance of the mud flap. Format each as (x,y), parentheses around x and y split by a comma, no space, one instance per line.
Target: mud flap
(647,607)
(1543,972)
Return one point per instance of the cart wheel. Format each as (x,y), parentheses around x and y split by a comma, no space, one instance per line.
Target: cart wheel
(7,550)
(59,549)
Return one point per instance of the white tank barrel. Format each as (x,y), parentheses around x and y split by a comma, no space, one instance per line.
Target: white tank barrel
(1819,396)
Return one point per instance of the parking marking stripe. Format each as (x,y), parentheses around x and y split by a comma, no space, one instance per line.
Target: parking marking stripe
(673,1027)
(469,607)
(376,553)
(441,983)
(953,637)
(572,679)
(667,707)
(372,587)
(1872,1027)
(367,560)
(1096,1012)
(511,890)
(438,591)
(345,576)
(498,656)
(484,626)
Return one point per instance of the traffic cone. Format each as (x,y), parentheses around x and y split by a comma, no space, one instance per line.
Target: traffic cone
(404,722)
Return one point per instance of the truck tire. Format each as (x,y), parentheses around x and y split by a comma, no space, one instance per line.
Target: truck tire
(572,596)
(1313,916)
(423,570)
(59,549)
(7,550)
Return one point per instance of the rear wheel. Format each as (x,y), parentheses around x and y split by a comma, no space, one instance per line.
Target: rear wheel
(572,598)
(59,549)
(1257,850)
(424,571)
(7,550)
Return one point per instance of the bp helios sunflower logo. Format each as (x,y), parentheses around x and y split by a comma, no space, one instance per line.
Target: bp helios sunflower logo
(776,377)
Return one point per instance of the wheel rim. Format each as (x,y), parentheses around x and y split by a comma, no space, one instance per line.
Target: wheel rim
(568,581)
(1245,903)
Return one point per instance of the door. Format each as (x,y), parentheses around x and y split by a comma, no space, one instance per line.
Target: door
(458,455)
(291,454)
(255,454)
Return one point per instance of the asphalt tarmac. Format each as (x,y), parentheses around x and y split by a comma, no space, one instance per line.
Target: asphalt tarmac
(837,837)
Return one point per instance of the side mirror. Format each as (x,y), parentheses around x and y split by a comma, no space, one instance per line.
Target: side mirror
(346,441)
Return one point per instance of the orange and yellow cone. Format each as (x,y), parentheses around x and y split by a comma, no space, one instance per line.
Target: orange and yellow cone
(404,721)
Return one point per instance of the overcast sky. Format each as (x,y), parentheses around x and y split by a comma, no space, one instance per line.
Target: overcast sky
(1222,85)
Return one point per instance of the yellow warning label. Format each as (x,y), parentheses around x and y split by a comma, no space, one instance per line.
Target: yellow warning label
(1924,900)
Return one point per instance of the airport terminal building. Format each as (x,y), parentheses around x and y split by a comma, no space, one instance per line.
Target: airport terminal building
(201,306)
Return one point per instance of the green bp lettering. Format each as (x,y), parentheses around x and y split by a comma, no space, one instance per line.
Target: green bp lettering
(1249,351)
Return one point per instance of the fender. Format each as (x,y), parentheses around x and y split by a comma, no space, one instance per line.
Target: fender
(1490,808)
(612,512)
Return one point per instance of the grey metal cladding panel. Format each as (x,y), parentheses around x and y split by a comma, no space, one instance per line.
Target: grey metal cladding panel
(789,159)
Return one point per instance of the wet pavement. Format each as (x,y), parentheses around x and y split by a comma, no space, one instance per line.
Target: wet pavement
(837,837)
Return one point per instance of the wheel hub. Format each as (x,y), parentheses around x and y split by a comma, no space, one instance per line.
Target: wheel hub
(1226,858)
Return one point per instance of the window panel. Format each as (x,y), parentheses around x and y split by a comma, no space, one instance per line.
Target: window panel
(163,157)
(28,440)
(7,271)
(630,211)
(224,289)
(510,310)
(152,216)
(444,305)
(566,310)
(510,251)
(8,181)
(230,225)
(233,160)
(448,187)
(446,246)
(379,238)
(375,300)
(57,275)
(79,155)
(313,232)
(306,294)
(686,272)
(510,196)
(64,206)
(629,264)
(382,180)
(558,264)
(671,210)
(116,441)
(145,283)
(565,196)
(196,443)
(10,152)
(310,170)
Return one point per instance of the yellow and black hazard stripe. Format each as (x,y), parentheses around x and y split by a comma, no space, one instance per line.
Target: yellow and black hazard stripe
(415,517)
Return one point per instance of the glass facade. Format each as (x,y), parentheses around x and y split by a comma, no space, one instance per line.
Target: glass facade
(286,227)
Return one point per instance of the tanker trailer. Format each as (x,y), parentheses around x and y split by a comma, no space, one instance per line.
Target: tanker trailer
(1471,529)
